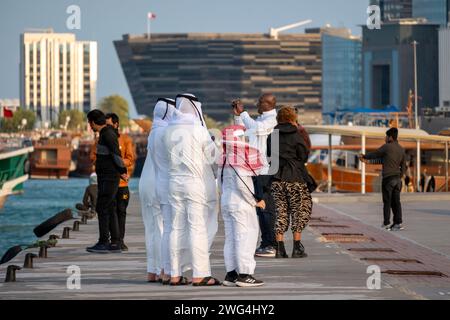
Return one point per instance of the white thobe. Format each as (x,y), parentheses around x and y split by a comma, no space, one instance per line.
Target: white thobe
(240,220)
(192,196)
(151,214)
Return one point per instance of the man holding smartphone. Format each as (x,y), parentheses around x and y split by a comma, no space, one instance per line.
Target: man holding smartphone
(259,129)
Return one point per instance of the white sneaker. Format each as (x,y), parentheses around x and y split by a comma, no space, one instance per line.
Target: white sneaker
(386,226)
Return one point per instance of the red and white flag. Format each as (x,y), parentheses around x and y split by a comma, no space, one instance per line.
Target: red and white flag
(7,113)
(151,15)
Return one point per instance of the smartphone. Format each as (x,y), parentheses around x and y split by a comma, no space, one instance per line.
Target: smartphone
(235,102)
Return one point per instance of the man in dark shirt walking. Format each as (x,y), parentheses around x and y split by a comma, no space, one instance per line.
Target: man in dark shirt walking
(110,169)
(392,156)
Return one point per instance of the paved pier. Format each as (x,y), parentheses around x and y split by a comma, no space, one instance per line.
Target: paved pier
(331,271)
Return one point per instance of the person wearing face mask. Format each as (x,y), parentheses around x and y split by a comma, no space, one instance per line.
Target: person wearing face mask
(238,165)
(192,193)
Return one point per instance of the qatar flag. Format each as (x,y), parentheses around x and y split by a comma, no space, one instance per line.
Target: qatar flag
(151,15)
(7,113)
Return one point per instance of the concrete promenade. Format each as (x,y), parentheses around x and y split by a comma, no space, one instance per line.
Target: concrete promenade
(343,239)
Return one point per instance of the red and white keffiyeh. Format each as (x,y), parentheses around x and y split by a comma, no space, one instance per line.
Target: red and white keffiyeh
(237,152)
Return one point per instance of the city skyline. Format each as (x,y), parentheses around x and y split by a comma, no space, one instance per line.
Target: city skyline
(204,16)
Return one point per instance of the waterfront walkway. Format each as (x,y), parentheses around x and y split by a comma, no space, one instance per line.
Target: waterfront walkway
(343,239)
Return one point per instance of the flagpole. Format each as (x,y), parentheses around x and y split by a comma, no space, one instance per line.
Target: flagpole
(148,28)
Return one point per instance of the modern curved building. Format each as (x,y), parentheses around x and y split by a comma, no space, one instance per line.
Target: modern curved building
(221,67)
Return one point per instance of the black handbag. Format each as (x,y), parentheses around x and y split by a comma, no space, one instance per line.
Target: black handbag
(310,182)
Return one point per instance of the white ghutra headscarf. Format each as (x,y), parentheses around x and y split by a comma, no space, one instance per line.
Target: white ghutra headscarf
(163,112)
(190,110)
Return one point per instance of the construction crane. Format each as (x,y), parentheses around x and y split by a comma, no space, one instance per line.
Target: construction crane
(47,30)
(274,31)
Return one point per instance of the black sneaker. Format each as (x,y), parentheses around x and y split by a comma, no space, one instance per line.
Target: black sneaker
(114,248)
(266,252)
(99,248)
(123,247)
(248,281)
(396,227)
(230,280)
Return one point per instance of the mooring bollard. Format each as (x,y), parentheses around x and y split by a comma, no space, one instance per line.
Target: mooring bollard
(43,251)
(28,263)
(66,233)
(76,226)
(11,273)
(84,219)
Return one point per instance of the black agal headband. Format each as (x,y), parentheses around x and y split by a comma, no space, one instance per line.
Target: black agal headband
(167,101)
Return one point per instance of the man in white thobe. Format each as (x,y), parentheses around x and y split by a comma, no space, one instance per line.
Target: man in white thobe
(192,192)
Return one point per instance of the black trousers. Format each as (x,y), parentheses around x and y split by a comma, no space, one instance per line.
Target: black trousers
(266,217)
(122,200)
(106,210)
(391,188)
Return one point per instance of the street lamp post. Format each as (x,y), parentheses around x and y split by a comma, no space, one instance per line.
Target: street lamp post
(416,117)
(416,96)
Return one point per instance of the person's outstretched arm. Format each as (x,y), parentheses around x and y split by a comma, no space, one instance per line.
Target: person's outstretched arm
(261,127)
(377,154)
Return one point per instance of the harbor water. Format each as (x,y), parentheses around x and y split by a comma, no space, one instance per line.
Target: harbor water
(41,200)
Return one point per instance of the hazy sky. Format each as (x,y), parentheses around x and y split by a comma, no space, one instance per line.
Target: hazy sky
(107,20)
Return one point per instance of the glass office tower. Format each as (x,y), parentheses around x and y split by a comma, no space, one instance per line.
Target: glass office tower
(435,11)
(341,72)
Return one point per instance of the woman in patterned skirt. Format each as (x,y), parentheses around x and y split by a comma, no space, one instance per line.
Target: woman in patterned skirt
(289,189)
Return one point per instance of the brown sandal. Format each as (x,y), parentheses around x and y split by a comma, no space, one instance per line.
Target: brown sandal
(183,281)
(205,282)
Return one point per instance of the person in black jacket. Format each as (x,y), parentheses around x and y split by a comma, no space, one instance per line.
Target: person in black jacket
(393,158)
(289,188)
(110,169)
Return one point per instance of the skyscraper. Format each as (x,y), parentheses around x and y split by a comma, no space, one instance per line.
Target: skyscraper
(394,9)
(220,67)
(57,73)
(388,64)
(444,68)
(341,70)
(435,11)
